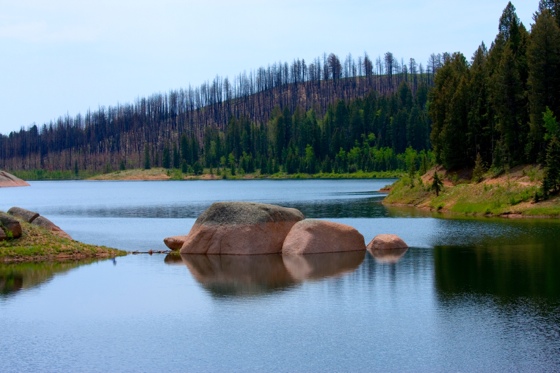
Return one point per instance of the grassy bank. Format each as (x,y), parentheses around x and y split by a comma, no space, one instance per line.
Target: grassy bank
(508,194)
(38,244)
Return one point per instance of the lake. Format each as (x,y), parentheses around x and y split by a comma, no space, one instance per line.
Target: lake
(469,295)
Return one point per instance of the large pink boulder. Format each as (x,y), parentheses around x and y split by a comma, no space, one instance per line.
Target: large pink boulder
(312,236)
(386,242)
(240,228)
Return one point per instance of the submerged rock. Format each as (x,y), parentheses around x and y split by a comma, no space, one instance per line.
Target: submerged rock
(312,236)
(386,242)
(240,228)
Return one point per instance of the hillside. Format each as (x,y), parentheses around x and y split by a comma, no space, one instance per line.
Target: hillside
(296,118)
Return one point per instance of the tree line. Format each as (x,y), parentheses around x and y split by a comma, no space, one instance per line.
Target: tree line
(500,107)
(298,117)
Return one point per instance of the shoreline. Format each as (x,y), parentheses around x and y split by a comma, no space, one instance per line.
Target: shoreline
(508,195)
(41,245)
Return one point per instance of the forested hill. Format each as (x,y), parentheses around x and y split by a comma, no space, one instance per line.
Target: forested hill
(328,115)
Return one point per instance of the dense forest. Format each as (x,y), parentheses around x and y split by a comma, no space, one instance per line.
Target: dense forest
(326,116)
(499,109)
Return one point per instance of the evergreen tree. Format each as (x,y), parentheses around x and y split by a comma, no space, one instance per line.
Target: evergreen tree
(437,184)
(543,55)
(147,162)
(551,181)
(166,158)
(479,169)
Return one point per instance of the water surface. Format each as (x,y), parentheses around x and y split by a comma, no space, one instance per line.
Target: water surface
(469,295)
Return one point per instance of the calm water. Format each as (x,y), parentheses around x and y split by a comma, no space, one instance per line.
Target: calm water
(469,295)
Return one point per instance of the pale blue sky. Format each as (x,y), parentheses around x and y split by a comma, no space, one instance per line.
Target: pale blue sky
(68,56)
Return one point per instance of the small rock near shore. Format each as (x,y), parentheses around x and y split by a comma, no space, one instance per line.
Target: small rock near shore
(175,242)
(386,242)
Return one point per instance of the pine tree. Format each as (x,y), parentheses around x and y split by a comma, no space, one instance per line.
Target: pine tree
(437,184)
(544,77)
(551,181)
(147,163)
(478,171)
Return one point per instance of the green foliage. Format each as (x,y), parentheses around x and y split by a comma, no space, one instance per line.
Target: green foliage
(550,125)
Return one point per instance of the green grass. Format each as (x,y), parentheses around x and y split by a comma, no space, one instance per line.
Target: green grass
(39,244)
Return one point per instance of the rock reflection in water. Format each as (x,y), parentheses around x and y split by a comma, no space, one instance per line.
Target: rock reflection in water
(239,275)
(389,256)
(251,275)
(318,266)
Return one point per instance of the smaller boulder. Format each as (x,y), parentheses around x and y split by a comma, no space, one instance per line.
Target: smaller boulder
(175,242)
(10,226)
(43,222)
(312,236)
(23,214)
(386,242)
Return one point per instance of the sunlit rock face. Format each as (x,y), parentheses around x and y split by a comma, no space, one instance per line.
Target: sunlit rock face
(175,242)
(312,236)
(240,228)
(9,180)
(386,242)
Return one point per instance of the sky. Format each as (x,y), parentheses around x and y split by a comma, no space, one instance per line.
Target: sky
(64,57)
